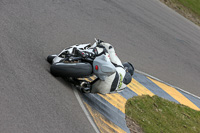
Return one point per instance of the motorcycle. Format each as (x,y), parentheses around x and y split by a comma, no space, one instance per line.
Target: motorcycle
(79,62)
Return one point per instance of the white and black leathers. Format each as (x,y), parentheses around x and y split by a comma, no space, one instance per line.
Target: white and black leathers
(113,82)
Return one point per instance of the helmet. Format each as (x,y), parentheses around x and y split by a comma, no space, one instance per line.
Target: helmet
(129,67)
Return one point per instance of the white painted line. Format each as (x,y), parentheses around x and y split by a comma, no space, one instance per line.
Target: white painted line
(167,84)
(85,110)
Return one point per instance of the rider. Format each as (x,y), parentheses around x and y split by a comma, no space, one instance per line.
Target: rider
(116,81)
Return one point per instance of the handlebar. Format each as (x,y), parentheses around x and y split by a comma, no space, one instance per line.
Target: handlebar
(80,55)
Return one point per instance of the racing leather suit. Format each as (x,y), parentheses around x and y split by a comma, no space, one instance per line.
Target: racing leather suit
(113,82)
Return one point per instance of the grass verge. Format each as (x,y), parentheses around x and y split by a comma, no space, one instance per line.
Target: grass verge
(190,9)
(157,115)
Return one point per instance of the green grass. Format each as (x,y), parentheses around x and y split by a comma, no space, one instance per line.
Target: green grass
(187,8)
(156,115)
(193,5)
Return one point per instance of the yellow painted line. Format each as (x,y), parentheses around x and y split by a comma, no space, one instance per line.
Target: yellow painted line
(89,79)
(175,94)
(93,77)
(138,88)
(104,125)
(119,101)
(116,100)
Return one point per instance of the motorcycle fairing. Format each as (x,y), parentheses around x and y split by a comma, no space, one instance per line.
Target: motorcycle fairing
(104,67)
(80,47)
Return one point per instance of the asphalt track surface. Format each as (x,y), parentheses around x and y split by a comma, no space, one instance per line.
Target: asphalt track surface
(154,38)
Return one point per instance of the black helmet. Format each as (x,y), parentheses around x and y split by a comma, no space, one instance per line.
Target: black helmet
(129,67)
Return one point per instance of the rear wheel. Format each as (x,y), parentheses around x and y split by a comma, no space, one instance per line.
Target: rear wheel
(76,70)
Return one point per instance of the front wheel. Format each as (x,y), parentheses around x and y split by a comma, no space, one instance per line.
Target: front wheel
(75,70)
(50,58)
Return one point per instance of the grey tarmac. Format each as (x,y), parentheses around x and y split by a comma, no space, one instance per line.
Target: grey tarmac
(154,38)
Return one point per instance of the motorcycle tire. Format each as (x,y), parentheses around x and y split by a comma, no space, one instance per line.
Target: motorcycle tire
(75,70)
(50,58)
